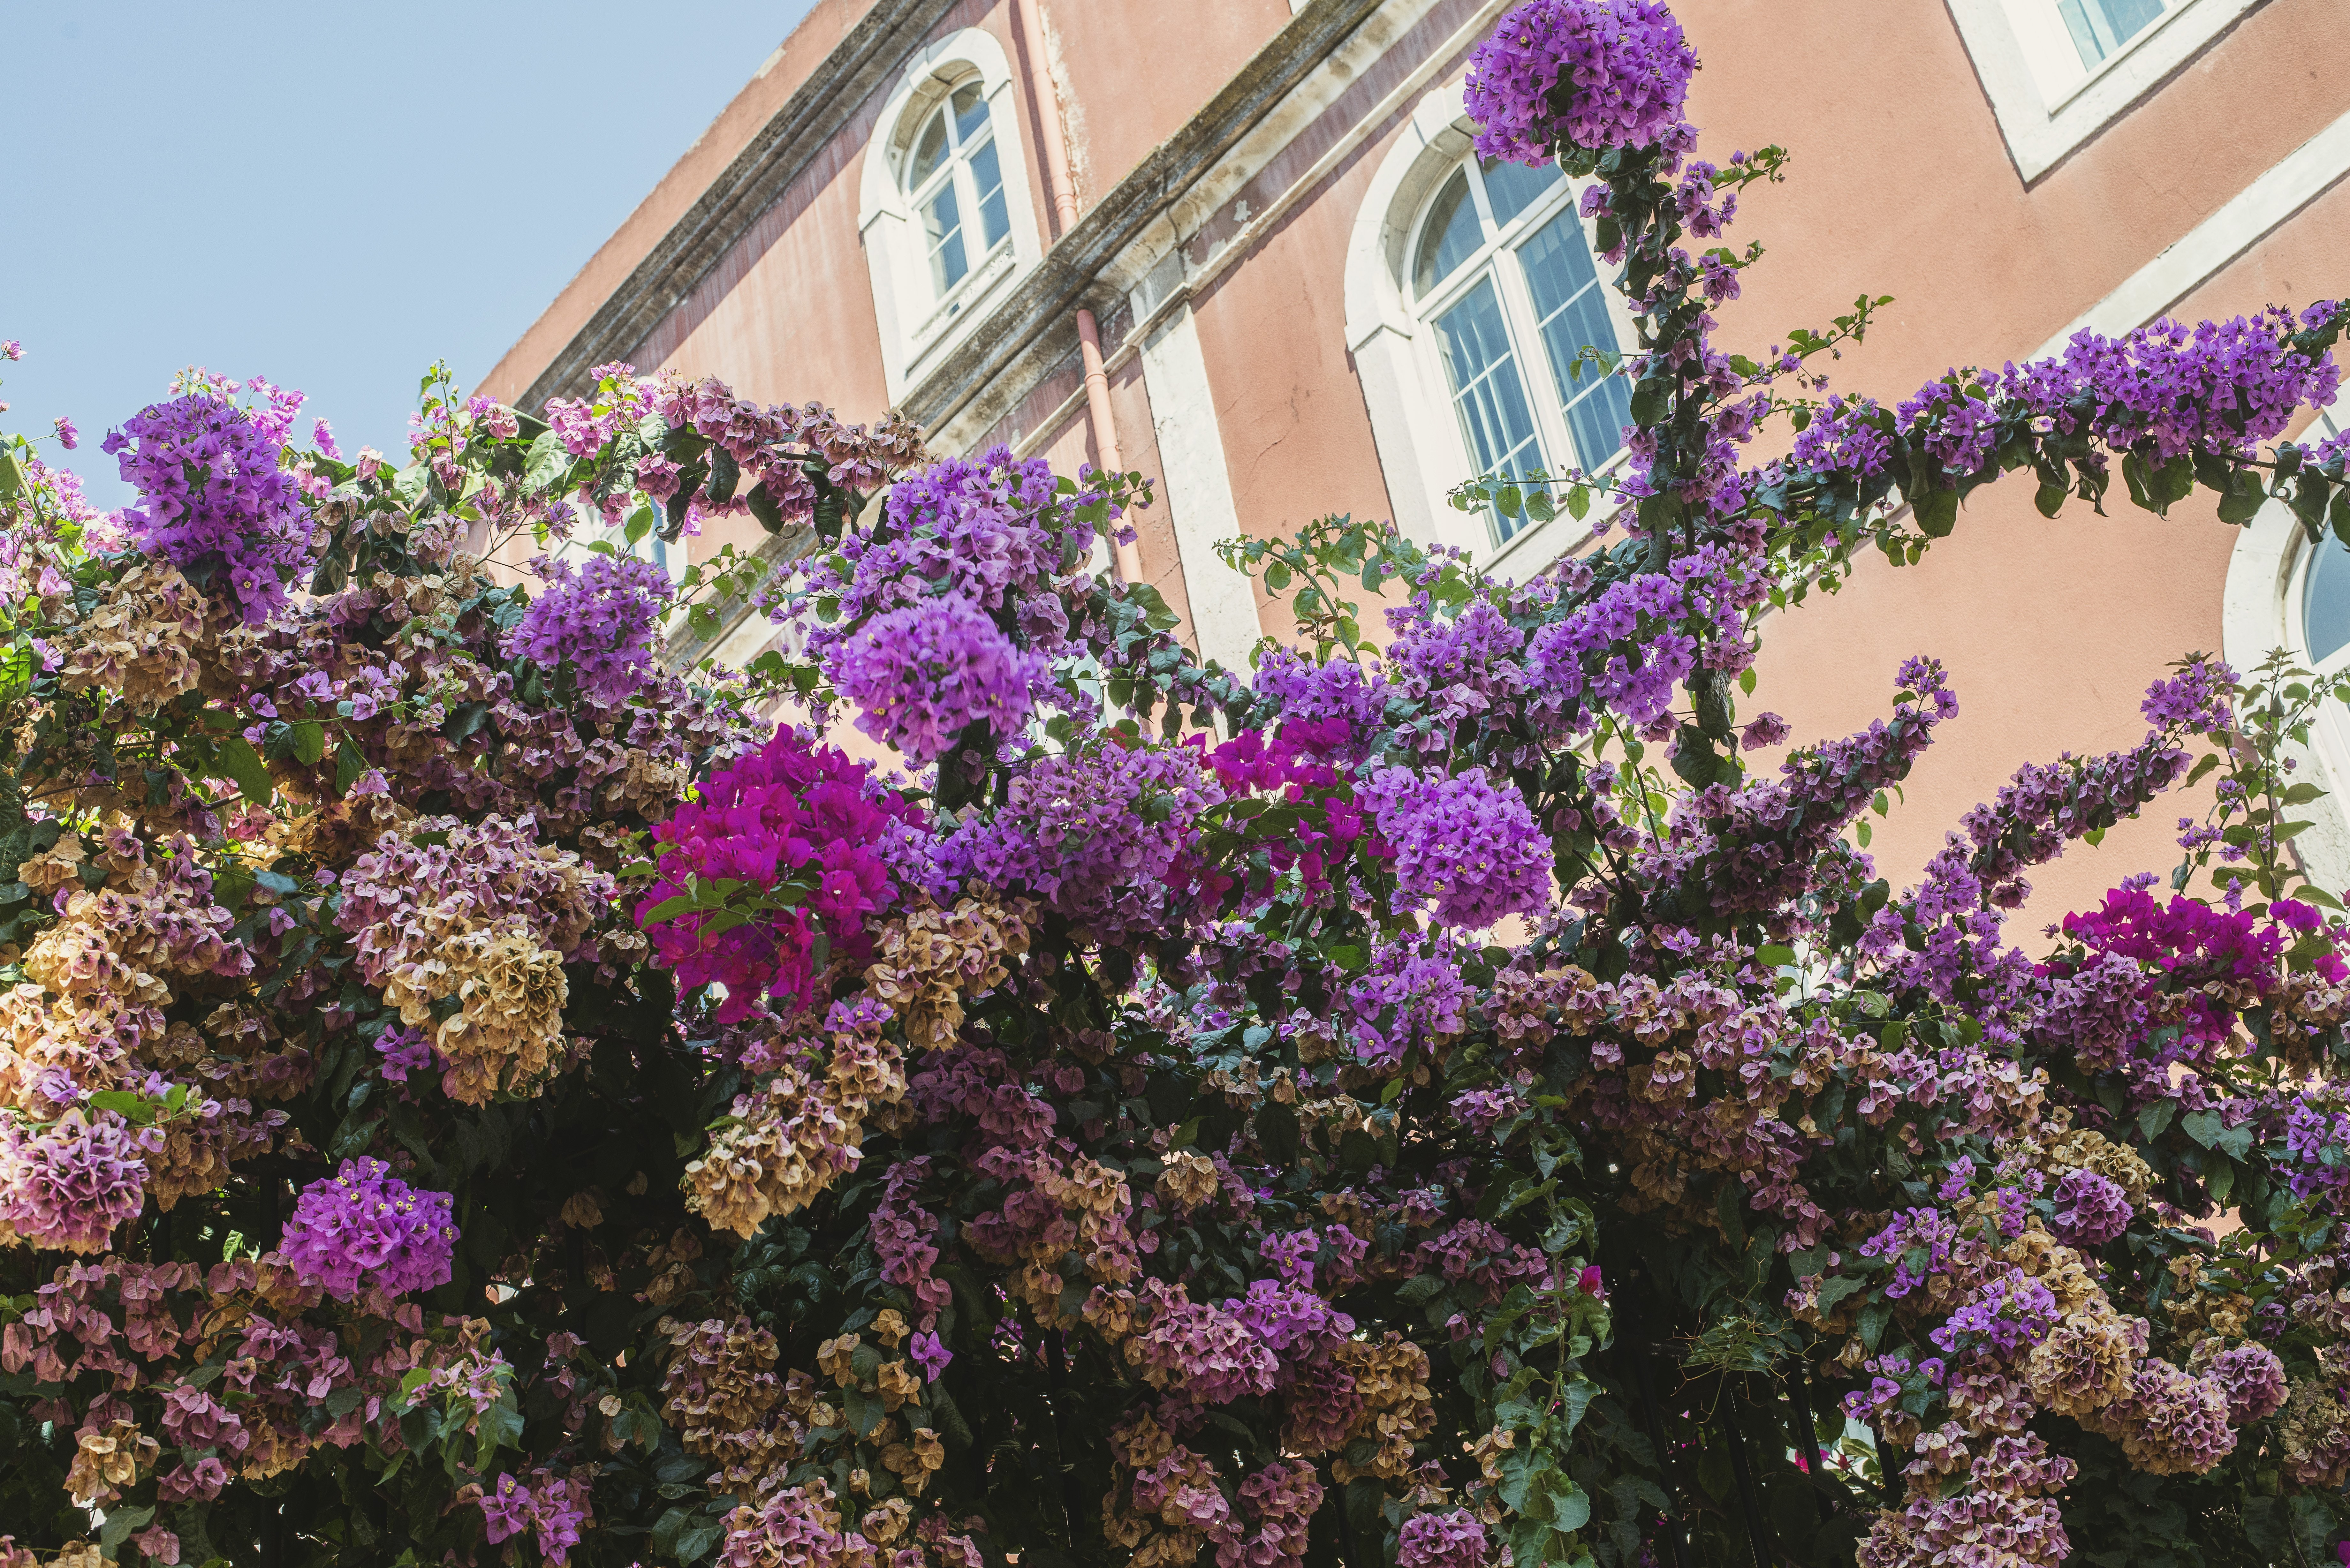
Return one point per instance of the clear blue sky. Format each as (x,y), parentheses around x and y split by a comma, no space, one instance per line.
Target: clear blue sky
(331,196)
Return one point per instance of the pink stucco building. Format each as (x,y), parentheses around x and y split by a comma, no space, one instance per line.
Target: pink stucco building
(1257,224)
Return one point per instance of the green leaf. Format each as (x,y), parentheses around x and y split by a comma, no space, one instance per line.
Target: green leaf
(239,761)
(309,742)
(348,766)
(1937,511)
(547,463)
(2152,1118)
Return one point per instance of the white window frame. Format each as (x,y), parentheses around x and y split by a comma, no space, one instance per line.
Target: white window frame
(2046,101)
(1391,334)
(2267,573)
(918,325)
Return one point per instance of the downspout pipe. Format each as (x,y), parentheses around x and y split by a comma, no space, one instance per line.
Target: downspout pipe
(1030,14)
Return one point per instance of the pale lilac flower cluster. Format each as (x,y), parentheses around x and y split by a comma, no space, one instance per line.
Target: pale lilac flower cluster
(1469,847)
(2172,1421)
(69,1184)
(1210,1355)
(365,1227)
(554,1507)
(922,674)
(599,615)
(2091,1210)
(1594,73)
(1449,1539)
(2252,1378)
(213,496)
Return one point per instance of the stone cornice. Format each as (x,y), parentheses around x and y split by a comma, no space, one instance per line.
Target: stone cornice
(860,64)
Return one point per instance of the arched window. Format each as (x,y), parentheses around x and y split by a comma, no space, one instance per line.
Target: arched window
(954,178)
(1502,273)
(1477,316)
(944,206)
(2286,590)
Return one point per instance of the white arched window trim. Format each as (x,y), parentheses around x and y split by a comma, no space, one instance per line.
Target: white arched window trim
(2267,573)
(1421,449)
(917,327)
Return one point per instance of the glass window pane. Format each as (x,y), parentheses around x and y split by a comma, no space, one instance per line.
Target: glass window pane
(1511,188)
(2101,27)
(1571,309)
(970,111)
(1451,237)
(987,178)
(930,153)
(2326,602)
(943,226)
(1488,391)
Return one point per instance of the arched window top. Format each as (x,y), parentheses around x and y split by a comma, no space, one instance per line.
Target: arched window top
(944,208)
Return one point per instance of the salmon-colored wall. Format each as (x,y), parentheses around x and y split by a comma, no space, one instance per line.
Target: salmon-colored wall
(1130,75)
(2051,629)
(826,22)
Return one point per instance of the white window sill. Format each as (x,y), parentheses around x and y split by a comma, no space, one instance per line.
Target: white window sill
(975,285)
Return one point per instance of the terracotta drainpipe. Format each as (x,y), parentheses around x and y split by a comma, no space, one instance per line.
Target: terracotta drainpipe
(1129,558)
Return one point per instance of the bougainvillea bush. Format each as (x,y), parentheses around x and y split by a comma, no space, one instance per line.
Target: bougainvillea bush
(472,1093)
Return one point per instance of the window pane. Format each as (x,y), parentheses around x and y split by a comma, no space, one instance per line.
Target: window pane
(930,151)
(1451,237)
(987,177)
(2326,602)
(2101,27)
(943,226)
(1511,188)
(1571,309)
(970,111)
(1488,391)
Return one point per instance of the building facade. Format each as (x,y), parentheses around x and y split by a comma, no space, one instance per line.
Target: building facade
(1243,246)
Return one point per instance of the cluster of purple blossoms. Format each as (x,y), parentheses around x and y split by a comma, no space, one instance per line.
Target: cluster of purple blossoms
(2219,387)
(365,1227)
(1594,73)
(553,1509)
(1844,436)
(2318,1142)
(1630,648)
(1449,1540)
(996,530)
(2091,1210)
(598,615)
(212,495)
(1462,842)
(1918,1240)
(2010,1313)
(1306,693)
(1095,832)
(1291,1322)
(921,675)
(1959,429)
